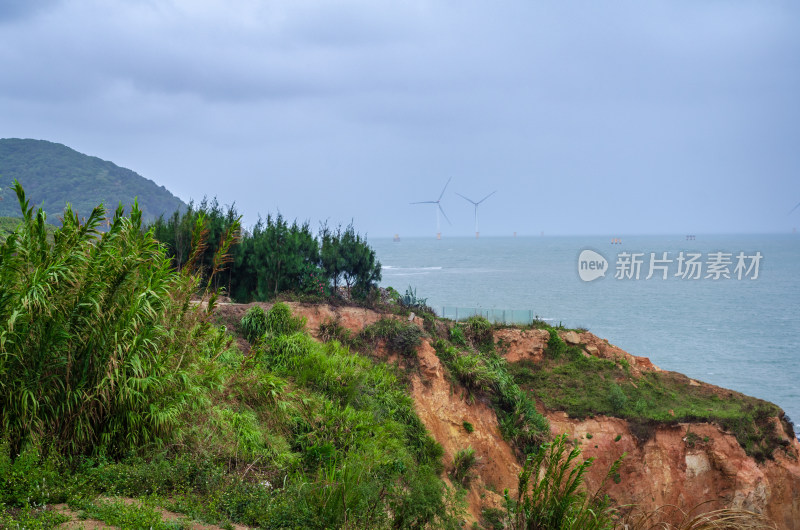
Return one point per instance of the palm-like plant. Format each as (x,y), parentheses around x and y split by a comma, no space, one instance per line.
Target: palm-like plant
(552,493)
(98,332)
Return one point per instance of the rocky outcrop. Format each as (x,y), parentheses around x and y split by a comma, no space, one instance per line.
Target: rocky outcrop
(444,413)
(686,465)
(521,344)
(601,348)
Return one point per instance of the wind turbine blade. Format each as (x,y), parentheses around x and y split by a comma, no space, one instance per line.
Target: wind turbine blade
(795,208)
(445,187)
(467,198)
(445,215)
(424,202)
(480,201)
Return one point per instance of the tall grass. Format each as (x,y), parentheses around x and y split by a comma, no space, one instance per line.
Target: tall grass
(552,494)
(96,337)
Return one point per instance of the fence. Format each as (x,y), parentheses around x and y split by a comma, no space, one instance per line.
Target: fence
(495,316)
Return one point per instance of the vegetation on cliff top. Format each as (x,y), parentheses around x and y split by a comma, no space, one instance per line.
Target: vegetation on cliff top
(584,386)
(275,256)
(115,384)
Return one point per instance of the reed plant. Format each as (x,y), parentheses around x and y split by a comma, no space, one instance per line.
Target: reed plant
(97,333)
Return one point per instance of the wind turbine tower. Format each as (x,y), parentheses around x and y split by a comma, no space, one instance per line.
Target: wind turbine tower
(477,233)
(437,202)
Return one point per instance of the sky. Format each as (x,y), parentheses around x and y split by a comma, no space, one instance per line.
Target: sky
(587,117)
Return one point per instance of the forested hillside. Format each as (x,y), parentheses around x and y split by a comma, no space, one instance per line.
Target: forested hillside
(54,175)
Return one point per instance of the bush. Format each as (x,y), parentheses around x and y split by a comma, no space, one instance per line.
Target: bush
(487,373)
(478,331)
(254,324)
(464,462)
(617,398)
(556,347)
(551,492)
(280,321)
(94,320)
(401,337)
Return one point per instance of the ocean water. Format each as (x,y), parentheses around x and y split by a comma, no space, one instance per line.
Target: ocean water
(742,334)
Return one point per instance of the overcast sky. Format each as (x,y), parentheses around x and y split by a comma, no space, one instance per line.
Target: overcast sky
(587,117)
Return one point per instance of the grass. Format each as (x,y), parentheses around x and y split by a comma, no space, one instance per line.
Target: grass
(475,366)
(463,468)
(399,336)
(584,386)
(552,494)
(299,434)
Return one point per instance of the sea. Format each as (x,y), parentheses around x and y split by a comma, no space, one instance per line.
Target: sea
(719,308)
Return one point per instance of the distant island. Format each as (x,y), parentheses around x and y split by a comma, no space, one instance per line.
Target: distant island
(54,175)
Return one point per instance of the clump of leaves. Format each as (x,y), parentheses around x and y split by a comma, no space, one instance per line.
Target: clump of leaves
(464,462)
(478,331)
(94,318)
(482,373)
(411,301)
(552,494)
(556,347)
(254,324)
(280,321)
(401,337)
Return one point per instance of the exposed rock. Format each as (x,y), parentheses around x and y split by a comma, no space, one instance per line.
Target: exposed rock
(519,344)
(601,348)
(570,337)
(444,412)
(668,470)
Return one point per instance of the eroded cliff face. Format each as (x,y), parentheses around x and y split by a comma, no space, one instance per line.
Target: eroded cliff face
(684,465)
(687,465)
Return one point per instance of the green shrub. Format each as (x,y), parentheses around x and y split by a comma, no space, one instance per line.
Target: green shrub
(281,322)
(617,398)
(457,336)
(401,337)
(27,479)
(464,462)
(487,374)
(468,427)
(103,325)
(552,494)
(556,347)
(479,332)
(254,324)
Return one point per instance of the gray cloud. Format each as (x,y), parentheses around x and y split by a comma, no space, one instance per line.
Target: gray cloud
(353,109)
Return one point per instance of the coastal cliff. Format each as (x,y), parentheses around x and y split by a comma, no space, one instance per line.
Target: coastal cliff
(696,466)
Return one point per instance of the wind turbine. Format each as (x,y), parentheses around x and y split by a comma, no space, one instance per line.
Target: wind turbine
(476,208)
(437,202)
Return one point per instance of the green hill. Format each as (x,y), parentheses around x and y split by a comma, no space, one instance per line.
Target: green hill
(54,175)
